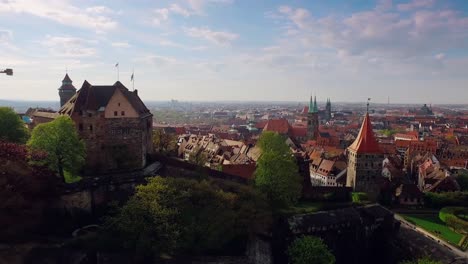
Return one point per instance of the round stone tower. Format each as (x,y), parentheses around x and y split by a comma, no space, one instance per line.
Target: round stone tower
(67,90)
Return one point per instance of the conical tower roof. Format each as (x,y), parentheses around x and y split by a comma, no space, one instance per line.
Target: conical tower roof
(67,79)
(365,141)
(67,83)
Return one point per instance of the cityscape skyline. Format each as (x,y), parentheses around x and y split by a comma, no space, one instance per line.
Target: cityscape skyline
(209,50)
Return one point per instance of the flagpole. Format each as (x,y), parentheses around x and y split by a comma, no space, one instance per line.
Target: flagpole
(133,79)
(118,72)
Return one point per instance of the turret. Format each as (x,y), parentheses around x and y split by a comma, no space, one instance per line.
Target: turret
(67,90)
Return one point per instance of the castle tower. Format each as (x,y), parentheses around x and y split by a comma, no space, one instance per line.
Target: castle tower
(67,90)
(328,110)
(312,119)
(365,162)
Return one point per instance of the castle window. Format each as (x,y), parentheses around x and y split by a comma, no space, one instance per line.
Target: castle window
(122,113)
(80,127)
(115,113)
(91,128)
(119,104)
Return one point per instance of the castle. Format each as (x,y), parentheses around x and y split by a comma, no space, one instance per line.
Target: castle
(113,122)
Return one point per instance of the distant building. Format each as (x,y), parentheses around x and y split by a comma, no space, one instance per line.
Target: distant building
(365,162)
(312,120)
(67,90)
(115,125)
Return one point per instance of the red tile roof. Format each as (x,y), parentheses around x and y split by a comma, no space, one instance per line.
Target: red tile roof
(277,125)
(365,141)
(297,131)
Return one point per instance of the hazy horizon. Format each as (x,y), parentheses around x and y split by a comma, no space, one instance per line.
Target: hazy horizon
(413,51)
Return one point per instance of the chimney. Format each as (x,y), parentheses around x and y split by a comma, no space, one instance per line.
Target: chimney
(136,92)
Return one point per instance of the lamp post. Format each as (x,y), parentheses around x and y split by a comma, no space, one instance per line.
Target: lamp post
(7,71)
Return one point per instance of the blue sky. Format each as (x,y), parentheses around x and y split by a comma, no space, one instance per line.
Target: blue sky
(411,50)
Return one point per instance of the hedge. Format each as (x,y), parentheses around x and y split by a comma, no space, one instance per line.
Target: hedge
(449,216)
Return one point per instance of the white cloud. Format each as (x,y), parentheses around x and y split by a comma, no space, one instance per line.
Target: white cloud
(416,4)
(66,46)
(221,38)
(198,5)
(120,44)
(61,11)
(160,15)
(439,56)
(379,40)
(5,36)
(177,9)
(157,60)
(102,10)
(300,16)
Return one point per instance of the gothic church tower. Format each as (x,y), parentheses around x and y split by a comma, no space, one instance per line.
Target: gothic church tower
(312,120)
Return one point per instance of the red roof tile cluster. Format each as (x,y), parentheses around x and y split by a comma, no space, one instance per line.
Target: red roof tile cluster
(365,141)
(277,125)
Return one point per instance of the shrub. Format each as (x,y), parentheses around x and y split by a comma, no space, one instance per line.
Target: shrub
(439,200)
(449,216)
(310,249)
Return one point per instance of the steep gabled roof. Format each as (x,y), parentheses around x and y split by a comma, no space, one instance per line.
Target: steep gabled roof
(365,141)
(91,97)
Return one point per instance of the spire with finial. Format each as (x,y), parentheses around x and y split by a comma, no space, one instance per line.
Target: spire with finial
(311,105)
(315,108)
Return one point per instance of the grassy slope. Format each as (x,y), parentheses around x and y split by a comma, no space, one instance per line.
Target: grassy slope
(432,223)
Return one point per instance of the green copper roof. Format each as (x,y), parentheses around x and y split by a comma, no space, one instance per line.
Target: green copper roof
(313,105)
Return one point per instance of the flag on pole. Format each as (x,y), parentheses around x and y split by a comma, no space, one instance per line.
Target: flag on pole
(117,64)
(131,77)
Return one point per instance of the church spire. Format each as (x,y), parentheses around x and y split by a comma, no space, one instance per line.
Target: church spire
(311,105)
(315,108)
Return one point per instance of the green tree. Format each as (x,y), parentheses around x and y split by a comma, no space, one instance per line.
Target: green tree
(272,141)
(163,142)
(424,260)
(198,157)
(12,128)
(308,250)
(174,215)
(462,180)
(59,139)
(277,173)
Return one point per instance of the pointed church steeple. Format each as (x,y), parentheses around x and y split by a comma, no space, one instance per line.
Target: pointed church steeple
(311,105)
(314,108)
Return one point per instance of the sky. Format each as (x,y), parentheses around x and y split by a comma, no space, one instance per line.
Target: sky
(411,51)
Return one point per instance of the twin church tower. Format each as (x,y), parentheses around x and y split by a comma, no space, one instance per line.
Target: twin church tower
(313,117)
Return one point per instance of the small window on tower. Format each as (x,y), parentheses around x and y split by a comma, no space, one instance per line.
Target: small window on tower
(119,104)
(122,113)
(91,128)
(115,113)
(80,127)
